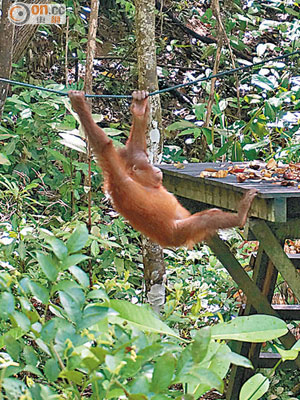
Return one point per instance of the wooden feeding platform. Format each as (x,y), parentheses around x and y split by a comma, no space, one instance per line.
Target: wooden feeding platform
(274,217)
(273,203)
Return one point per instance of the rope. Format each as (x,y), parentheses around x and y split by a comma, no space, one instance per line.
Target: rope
(124,96)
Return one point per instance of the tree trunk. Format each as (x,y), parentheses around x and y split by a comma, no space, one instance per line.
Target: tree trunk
(24,34)
(6,45)
(88,87)
(154,266)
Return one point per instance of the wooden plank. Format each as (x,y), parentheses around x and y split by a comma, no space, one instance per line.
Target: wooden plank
(217,196)
(267,189)
(269,360)
(287,312)
(276,254)
(280,209)
(288,230)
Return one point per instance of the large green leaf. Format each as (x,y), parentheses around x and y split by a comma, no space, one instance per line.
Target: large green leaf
(73,142)
(234,358)
(78,239)
(254,388)
(58,247)
(14,332)
(72,260)
(207,377)
(263,82)
(48,266)
(14,388)
(253,328)
(7,304)
(200,344)
(144,319)
(40,292)
(21,320)
(163,373)
(291,354)
(51,369)
(81,276)
(91,315)
(71,307)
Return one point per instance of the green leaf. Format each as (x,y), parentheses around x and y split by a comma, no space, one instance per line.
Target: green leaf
(98,294)
(95,250)
(196,132)
(78,239)
(51,370)
(237,153)
(223,150)
(163,373)
(291,354)
(184,363)
(144,319)
(4,160)
(7,305)
(21,320)
(200,344)
(254,388)
(270,112)
(58,247)
(48,266)
(200,111)
(293,12)
(16,333)
(114,363)
(180,125)
(13,347)
(257,145)
(236,359)
(115,393)
(74,376)
(260,129)
(91,315)
(49,331)
(74,142)
(296,346)
(30,355)
(73,260)
(112,131)
(42,392)
(138,397)
(40,292)
(119,264)
(33,370)
(57,155)
(207,377)
(263,82)
(81,276)
(14,388)
(253,328)
(71,307)
(208,134)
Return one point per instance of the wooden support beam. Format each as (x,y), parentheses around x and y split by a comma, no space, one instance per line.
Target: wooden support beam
(254,295)
(275,252)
